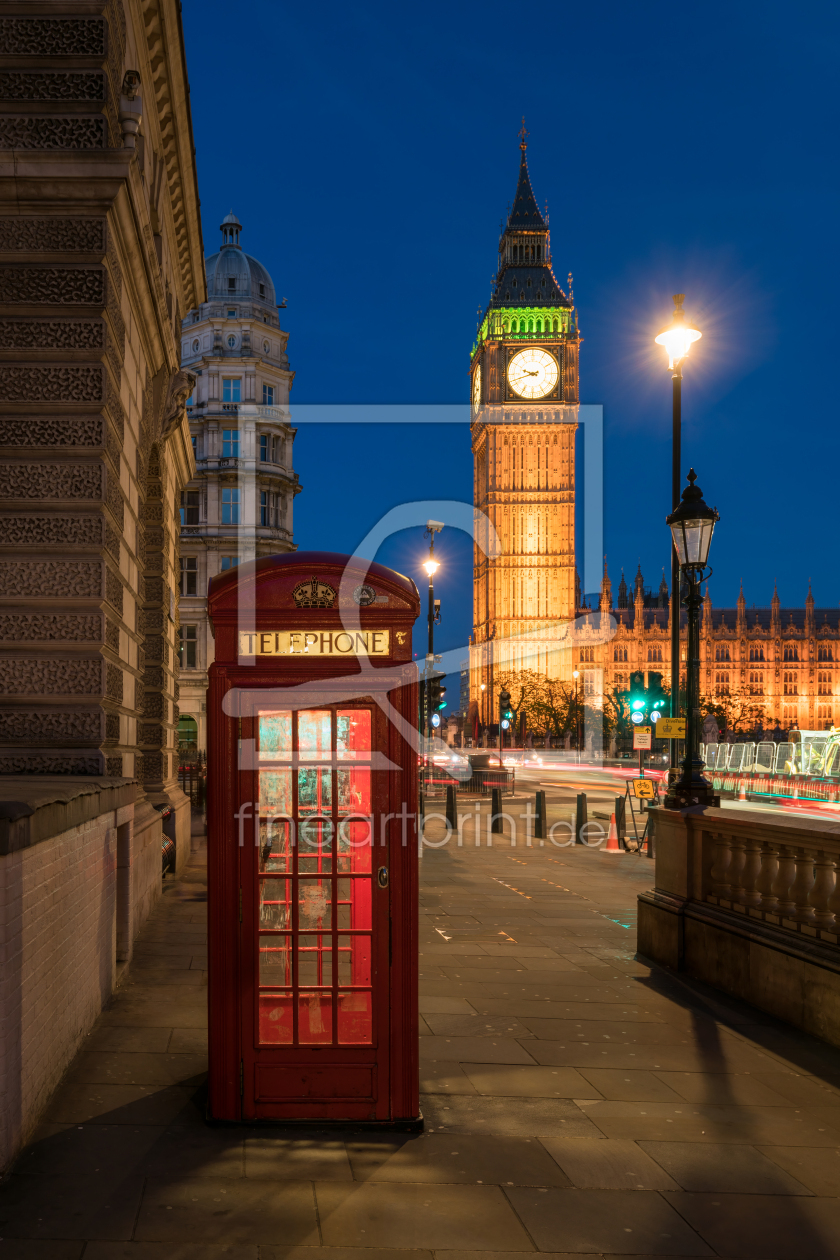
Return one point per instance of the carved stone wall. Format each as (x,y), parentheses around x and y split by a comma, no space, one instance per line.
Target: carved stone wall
(82,398)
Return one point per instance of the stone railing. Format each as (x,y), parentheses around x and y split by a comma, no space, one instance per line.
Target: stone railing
(749,901)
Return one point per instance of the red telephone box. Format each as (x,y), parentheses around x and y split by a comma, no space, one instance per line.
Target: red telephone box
(312,842)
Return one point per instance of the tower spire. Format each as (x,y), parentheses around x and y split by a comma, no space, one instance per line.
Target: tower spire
(525,213)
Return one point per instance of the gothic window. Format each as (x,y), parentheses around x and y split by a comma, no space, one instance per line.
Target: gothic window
(620,654)
(189,507)
(722,684)
(791,652)
(824,684)
(530,322)
(655,654)
(189,575)
(756,687)
(722,654)
(556,326)
(231,389)
(263,507)
(230,444)
(539,325)
(756,653)
(230,507)
(790,688)
(620,680)
(188,647)
(824,652)
(587,654)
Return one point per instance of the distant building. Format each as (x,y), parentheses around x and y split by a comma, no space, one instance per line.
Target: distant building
(239,505)
(786,659)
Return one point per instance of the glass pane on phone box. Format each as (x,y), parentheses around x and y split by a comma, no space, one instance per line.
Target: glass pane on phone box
(354,959)
(275,844)
(352,734)
(315,846)
(275,904)
(314,1018)
(314,960)
(275,962)
(353,906)
(314,904)
(314,734)
(276,1019)
(314,790)
(276,791)
(355,1019)
(354,790)
(355,844)
(275,733)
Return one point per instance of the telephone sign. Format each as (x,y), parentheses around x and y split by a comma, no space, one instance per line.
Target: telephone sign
(312,842)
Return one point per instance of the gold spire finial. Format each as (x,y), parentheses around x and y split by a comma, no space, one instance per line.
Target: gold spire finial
(523,136)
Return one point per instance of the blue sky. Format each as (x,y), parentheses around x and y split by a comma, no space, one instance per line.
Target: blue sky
(370,151)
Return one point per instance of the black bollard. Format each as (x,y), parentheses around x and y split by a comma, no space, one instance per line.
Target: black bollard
(451,807)
(619,819)
(540,818)
(580,818)
(496,811)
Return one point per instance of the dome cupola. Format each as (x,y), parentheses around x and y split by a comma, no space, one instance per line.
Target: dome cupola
(233,274)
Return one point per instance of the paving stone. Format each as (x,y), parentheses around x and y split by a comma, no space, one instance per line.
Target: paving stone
(315,1157)
(474,1025)
(463,1158)
(137,1068)
(764,1227)
(633,1085)
(723,1168)
(445,1078)
(70,1150)
(802,1091)
(100,1205)
(724,1087)
(817,1168)
(215,1210)
(131,1040)
(618,1222)
(527,1082)
(765,1126)
(474,1050)
(188,1040)
(378,1214)
(29,1249)
(172,1251)
(607,1164)
(196,1150)
(120,1104)
(445,1006)
(514,1117)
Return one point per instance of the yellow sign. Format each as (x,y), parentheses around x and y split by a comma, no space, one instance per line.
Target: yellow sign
(642,737)
(670,728)
(644,789)
(315,643)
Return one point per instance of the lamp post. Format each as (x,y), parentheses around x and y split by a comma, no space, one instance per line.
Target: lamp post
(431,566)
(576,676)
(677,339)
(692,525)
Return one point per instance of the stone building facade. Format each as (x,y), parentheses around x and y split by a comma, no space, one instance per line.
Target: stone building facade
(785,660)
(100,256)
(239,503)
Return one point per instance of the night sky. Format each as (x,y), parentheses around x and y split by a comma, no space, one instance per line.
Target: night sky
(371,150)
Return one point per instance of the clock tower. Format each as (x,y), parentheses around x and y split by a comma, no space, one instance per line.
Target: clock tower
(524,392)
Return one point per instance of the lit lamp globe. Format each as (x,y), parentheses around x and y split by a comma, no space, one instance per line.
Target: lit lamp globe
(679,336)
(431,566)
(692,524)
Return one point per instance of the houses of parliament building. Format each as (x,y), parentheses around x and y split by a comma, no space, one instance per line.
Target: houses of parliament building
(527,609)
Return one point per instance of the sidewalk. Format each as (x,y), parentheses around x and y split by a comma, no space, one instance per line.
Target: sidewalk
(595,1107)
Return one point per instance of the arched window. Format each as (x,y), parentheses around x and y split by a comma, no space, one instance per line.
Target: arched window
(790,688)
(620,654)
(824,652)
(791,652)
(556,326)
(539,325)
(824,684)
(756,653)
(187,734)
(530,325)
(756,687)
(654,654)
(722,654)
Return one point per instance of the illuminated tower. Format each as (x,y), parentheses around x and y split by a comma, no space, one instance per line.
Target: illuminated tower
(524,390)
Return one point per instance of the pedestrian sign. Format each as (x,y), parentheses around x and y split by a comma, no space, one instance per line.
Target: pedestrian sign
(642,738)
(670,728)
(644,789)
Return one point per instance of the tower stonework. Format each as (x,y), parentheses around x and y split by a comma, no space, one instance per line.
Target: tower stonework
(524,391)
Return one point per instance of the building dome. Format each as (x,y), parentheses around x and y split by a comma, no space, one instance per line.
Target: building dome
(234,274)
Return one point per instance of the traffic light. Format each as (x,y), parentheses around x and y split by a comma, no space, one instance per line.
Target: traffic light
(636,701)
(505,711)
(437,691)
(656,698)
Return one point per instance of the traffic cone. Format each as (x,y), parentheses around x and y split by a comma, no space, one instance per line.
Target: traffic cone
(612,845)
(742,794)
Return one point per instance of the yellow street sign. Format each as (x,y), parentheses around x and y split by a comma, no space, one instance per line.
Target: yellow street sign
(644,789)
(670,728)
(642,737)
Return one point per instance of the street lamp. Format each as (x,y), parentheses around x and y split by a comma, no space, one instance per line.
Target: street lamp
(677,339)
(431,566)
(692,525)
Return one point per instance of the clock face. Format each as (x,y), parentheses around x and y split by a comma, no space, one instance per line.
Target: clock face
(533,373)
(477,387)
